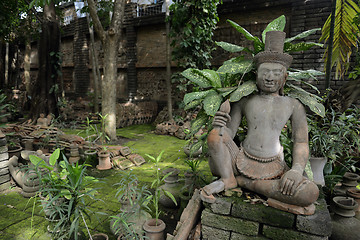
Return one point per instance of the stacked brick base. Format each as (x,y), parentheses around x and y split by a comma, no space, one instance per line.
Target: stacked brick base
(235,219)
(4,159)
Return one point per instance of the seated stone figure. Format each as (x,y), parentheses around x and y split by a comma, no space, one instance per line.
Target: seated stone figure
(258,163)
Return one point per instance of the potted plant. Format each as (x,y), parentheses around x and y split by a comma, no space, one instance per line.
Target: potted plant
(335,137)
(63,189)
(154,228)
(134,201)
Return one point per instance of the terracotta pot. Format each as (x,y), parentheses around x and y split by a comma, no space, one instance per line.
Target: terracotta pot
(154,231)
(173,177)
(317,167)
(104,160)
(100,236)
(195,154)
(350,179)
(355,194)
(344,206)
(189,178)
(15,151)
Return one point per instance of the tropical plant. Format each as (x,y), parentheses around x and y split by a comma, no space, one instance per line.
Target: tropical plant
(135,200)
(336,136)
(345,35)
(63,188)
(192,28)
(157,182)
(235,79)
(3,105)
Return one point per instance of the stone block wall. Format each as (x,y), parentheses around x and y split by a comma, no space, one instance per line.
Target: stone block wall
(235,219)
(4,160)
(141,59)
(136,113)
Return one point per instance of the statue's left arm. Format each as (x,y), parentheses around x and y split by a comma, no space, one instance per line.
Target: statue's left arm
(300,154)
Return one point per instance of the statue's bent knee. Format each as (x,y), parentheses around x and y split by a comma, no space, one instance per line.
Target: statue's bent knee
(307,193)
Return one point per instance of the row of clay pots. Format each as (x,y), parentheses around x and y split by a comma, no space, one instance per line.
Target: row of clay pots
(345,207)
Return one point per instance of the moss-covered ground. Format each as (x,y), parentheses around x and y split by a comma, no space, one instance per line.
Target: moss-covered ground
(20,219)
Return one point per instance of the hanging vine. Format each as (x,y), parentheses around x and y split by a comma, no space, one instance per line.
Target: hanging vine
(192,28)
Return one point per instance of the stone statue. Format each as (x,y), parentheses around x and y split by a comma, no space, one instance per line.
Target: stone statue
(258,163)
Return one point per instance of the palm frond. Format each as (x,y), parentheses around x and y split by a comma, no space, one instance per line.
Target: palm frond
(344,35)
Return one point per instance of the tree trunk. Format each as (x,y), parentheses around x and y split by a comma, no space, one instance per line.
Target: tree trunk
(168,63)
(27,65)
(95,67)
(44,94)
(110,41)
(109,85)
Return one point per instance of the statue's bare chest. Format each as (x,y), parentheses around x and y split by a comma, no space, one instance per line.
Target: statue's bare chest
(268,112)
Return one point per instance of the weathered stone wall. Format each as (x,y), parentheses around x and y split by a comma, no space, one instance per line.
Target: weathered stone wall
(141,59)
(4,160)
(230,219)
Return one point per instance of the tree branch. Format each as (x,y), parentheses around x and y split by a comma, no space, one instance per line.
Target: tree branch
(118,15)
(95,18)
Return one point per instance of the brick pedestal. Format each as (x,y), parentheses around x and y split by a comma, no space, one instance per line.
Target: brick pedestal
(4,159)
(233,218)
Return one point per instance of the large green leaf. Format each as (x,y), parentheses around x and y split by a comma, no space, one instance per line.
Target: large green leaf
(259,46)
(233,68)
(195,76)
(303,46)
(243,90)
(299,89)
(212,103)
(54,157)
(304,74)
(199,122)
(226,90)
(242,30)
(193,104)
(230,47)
(196,95)
(276,25)
(212,76)
(302,35)
(304,97)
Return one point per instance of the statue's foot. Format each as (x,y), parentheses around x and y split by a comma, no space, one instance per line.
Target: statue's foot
(307,210)
(206,193)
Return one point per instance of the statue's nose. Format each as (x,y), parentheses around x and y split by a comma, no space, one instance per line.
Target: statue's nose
(269,76)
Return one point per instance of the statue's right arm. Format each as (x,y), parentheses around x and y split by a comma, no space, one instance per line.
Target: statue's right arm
(236,116)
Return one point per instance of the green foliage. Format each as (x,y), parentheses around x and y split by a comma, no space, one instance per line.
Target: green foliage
(3,105)
(336,136)
(346,34)
(235,79)
(157,182)
(137,199)
(64,187)
(192,28)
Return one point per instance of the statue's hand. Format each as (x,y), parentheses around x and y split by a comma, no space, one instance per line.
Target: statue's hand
(290,181)
(220,119)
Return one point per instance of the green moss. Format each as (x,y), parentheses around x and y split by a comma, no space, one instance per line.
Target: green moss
(142,140)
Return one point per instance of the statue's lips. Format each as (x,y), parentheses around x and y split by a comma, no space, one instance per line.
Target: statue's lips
(269,85)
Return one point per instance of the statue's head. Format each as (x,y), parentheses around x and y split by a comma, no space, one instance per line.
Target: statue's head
(272,64)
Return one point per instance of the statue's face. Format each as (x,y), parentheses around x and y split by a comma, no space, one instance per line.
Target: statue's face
(270,77)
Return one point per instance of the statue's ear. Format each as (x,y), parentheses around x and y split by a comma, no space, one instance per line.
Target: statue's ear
(281,90)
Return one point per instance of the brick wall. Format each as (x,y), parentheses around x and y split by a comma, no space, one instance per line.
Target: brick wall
(141,58)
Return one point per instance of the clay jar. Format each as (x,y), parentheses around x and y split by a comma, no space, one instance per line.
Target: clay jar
(154,231)
(104,160)
(100,236)
(171,185)
(350,179)
(344,206)
(355,194)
